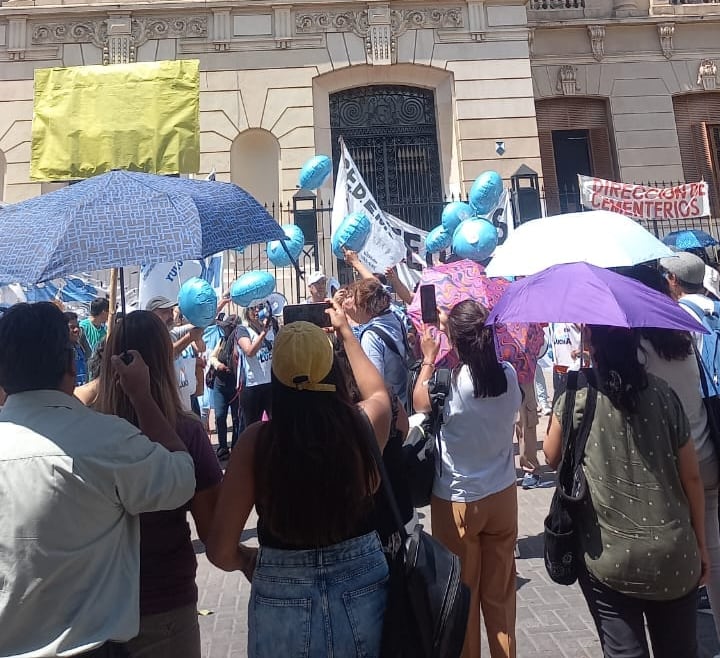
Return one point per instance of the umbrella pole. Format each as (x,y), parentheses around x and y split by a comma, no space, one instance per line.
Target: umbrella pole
(292,260)
(123,310)
(113,299)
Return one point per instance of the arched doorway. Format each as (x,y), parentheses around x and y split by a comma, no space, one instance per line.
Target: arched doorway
(255,164)
(391,133)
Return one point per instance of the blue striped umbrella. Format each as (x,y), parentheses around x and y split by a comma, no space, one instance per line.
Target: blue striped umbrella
(124,218)
(689,239)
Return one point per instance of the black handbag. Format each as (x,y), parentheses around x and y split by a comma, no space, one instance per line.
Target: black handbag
(421,448)
(427,606)
(561,552)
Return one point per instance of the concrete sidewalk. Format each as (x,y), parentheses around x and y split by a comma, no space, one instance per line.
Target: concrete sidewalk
(552,621)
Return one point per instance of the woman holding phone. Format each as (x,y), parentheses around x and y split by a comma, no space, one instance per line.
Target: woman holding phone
(255,339)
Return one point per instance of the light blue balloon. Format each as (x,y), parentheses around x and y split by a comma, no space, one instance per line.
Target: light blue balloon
(485,192)
(352,233)
(454,213)
(252,287)
(438,239)
(314,172)
(475,239)
(198,302)
(294,243)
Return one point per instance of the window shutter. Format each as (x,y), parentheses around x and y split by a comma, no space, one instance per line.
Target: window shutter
(601,154)
(703,160)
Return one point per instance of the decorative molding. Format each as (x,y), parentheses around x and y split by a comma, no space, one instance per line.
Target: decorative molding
(477,19)
(400,20)
(221,29)
(567,80)
(283,27)
(597,41)
(707,75)
(17,38)
(380,41)
(666,32)
(120,35)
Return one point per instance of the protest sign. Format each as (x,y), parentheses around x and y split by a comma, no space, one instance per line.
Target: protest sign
(393,240)
(642,202)
(143,116)
(166,278)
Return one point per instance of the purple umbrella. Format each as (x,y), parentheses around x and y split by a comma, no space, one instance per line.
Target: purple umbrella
(586,294)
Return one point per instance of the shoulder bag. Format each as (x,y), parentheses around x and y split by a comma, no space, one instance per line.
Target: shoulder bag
(427,606)
(561,553)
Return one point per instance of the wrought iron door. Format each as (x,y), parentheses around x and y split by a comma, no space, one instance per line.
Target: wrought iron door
(391,134)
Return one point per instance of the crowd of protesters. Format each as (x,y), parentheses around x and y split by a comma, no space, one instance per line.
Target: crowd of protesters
(105,446)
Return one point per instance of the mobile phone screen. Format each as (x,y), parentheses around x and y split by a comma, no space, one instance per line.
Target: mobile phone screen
(428,304)
(314,313)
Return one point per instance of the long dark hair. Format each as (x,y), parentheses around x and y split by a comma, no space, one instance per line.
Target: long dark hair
(620,374)
(670,344)
(475,345)
(145,332)
(315,473)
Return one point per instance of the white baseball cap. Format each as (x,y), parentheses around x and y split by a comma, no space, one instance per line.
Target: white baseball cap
(316,276)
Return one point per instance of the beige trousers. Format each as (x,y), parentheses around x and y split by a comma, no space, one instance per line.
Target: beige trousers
(483,534)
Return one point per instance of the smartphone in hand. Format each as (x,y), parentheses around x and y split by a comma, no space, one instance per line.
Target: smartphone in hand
(314,313)
(428,305)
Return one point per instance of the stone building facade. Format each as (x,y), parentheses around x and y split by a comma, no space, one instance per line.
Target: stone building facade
(427,95)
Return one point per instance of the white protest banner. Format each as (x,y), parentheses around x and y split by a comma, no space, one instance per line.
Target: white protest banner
(642,202)
(395,240)
(383,249)
(166,278)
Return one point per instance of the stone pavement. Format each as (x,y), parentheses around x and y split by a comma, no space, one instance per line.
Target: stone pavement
(552,620)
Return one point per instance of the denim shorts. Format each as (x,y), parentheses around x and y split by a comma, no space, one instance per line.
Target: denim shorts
(324,603)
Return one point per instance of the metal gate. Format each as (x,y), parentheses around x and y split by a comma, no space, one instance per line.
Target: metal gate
(391,134)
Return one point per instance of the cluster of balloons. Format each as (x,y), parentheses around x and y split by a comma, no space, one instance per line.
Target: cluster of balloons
(464,226)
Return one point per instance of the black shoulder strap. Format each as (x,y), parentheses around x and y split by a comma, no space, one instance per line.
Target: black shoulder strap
(574,442)
(384,477)
(383,336)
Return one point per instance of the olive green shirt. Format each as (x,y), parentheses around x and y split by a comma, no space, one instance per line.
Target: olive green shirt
(635,530)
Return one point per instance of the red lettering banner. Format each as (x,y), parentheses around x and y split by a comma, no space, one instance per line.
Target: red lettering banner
(641,202)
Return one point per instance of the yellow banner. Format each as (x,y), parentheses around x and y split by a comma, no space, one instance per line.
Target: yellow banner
(90,119)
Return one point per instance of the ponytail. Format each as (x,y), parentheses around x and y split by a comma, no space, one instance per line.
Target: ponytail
(475,345)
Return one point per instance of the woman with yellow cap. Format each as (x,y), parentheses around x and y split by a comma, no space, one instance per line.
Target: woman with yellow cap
(319,579)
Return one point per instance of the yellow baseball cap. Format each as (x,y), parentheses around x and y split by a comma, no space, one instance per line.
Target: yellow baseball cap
(302,357)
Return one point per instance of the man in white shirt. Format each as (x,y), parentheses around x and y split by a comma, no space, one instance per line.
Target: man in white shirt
(73,483)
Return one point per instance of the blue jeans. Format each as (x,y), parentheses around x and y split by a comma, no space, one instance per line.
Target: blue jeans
(225,397)
(324,603)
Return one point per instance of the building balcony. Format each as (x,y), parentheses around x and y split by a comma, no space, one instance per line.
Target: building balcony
(550,11)
(684,7)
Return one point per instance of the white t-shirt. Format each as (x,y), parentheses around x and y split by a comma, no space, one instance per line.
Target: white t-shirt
(185,367)
(683,376)
(565,340)
(257,369)
(476,438)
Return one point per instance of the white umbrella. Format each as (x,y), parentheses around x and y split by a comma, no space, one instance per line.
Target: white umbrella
(598,237)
